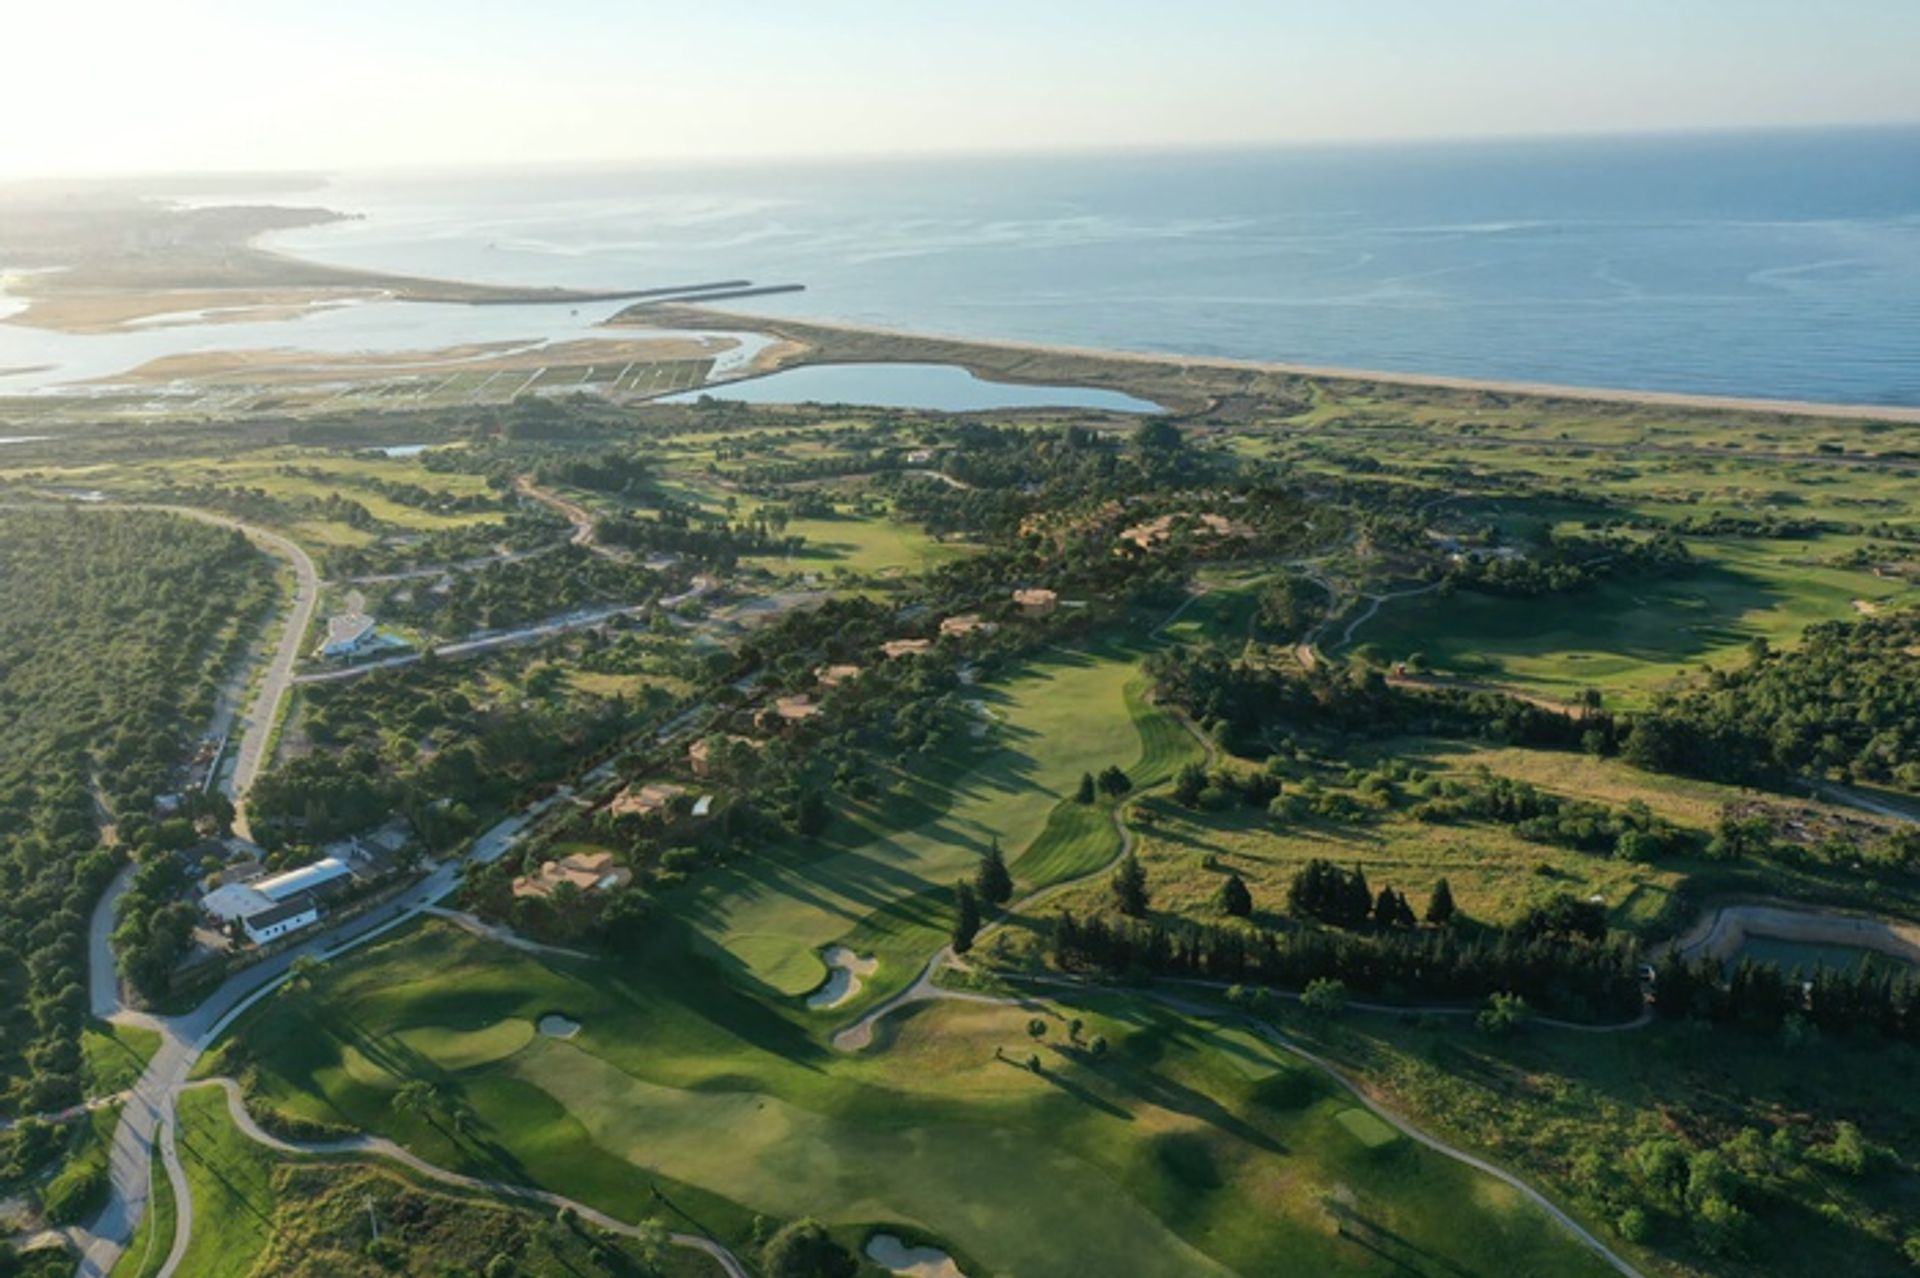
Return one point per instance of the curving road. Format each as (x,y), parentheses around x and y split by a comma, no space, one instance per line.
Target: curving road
(146,1121)
(382,1148)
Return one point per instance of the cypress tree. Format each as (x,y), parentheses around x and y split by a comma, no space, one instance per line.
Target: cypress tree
(992,881)
(966,921)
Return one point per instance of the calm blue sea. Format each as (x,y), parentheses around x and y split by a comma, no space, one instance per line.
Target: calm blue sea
(1770,264)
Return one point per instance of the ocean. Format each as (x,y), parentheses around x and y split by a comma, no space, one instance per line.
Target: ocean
(1781,265)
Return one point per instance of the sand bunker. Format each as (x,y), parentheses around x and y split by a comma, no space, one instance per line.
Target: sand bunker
(845,968)
(554,1025)
(893,1255)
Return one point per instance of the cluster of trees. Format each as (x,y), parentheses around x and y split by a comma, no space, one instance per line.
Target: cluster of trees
(1631,832)
(1324,891)
(520,529)
(1289,608)
(612,470)
(1562,564)
(1871,1001)
(1846,701)
(1575,978)
(434,500)
(116,628)
(1237,698)
(707,539)
(522,591)
(425,741)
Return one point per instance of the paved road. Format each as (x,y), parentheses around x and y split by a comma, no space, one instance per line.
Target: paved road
(483,643)
(374,1145)
(147,1118)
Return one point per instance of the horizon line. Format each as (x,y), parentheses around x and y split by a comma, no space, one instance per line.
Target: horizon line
(322,173)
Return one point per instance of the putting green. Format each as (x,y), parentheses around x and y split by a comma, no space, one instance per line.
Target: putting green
(784,1161)
(457,1049)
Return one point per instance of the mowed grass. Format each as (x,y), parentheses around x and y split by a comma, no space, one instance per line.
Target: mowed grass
(231,1180)
(1626,637)
(1191,1148)
(886,869)
(114,1055)
(863,545)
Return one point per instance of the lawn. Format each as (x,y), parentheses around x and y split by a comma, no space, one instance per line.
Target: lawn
(1190,1148)
(862,545)
(1628,637)
(885,869)
(259,1212)
(115,1055)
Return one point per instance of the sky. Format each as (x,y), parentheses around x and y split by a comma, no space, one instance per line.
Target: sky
(138,86)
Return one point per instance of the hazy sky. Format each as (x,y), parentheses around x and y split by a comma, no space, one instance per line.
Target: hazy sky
(96,86)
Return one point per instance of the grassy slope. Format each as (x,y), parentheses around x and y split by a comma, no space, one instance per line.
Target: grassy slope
(887,872)
(114,1055)
(1622,637)
(1539,1100)
(1183,1138)
(259,1213)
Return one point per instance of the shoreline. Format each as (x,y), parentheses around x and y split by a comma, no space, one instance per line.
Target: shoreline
(228,257)
(695,316)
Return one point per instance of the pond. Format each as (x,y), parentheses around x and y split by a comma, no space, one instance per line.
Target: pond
(942,387)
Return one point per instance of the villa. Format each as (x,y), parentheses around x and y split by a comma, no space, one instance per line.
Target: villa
(893,648)
(647,800)
(587,871)
(347,633)
(1037,602)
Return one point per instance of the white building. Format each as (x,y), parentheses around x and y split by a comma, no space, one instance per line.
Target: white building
(277,921)
(347,633)
(307,878)
(269,908)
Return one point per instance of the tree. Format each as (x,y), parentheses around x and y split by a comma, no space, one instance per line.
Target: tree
(804,1249)
(1037,1028)
(1130,887)
(1085,793)
(1158,435)
(1097,1046)
(418,1097)
(966,921)
(300,972)
(991,881)
(1324,996)
(1114,780)
(1503,1016)
(1440,908)
(1189,784)
(1234,899)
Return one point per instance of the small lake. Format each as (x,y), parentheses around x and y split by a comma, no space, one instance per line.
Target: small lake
(941,387)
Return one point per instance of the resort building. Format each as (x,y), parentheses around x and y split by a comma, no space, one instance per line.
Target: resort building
(787,711)
(831,677)
(588,871)
(277,921)
(651,799)
(270,908)
(965,624)
(1037,602)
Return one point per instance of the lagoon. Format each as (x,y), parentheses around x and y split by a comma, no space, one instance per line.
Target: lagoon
(939,387)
